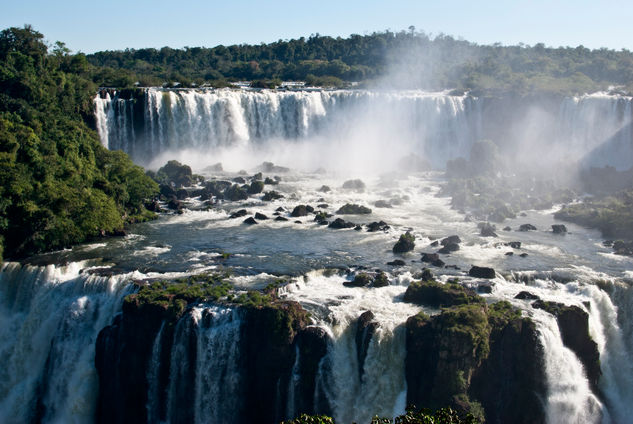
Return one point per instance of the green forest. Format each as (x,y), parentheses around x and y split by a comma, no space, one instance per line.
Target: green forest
(405,59)
(58,185)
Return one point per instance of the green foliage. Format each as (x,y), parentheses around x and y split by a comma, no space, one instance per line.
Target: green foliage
(418,61)
(434,294)
(58,185)
(175,173)
(412,416)
(254,298)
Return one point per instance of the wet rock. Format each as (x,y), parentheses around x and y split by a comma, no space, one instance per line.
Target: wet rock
(380,280)
(438,263)
(406,243)
(235,193)
(451,240)
(256,187)
(238,214)
(435,243)
(366,327)
(430,257)
(356,185)
(514,244)
(607,243)
(281,218)
(358,228)
(167,191)
(487,230)
(340,223)
(509,253)
(182,194)
(377,226)
(270,167)
(526,295)
(396,262)
(300,210)
(239,180)
(523,255)
(298,222)
(324,189)
(260,216)
(527,227)
(382,204)
(485,287)
(353,209)
(217,167)
(323,206)
(257,177)
(559,229)
(176,173)
(507,229)
(269,196)
(250,221)
(481,272)
(153,206)
(175,204)
(270,181)
(449,248)
(434,294)
(362,279)
(280,209)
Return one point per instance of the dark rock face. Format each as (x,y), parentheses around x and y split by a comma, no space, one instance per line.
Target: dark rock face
(269,196)
(312,343)
(250,221)
(450,240)
(526,295)
(365,329)
(434,294)
(281,218)
(238,214)
(527,227)
(256,187)
(300,210)
(514,244)
(182,194)
(559,229)
(574,330)
(481,272)
(397,262)
(324,189)
(352,209)
(473,353)
(406,243)
(260,216)
(368,279)
(176,173)
(382,204)
(487,230)
(175,204)
(340,223)
(448,248)
(235,193)
(356,185)
(430,257)
(377,226)
(239,180)
(270,181)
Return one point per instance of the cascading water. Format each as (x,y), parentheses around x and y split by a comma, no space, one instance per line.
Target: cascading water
(49,320)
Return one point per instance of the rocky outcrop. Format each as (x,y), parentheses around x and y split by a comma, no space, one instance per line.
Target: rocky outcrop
(365,329)
(352,209)
(481,272)
(406,243)
(356,185)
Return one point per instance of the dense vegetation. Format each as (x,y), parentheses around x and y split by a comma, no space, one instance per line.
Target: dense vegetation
(412,59)
(58,185)
(412,416)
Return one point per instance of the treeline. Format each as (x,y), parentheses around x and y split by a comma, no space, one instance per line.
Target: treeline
(406,59)
(58,185)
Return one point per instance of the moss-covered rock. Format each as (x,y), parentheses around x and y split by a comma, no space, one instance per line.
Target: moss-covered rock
(434,294)
(353,209)
(406,243)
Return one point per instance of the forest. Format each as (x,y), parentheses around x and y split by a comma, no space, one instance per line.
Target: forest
(405,59)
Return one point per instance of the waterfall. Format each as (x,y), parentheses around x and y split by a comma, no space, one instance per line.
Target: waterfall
(50,317)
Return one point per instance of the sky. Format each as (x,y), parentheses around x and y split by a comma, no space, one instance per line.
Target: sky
(89,26)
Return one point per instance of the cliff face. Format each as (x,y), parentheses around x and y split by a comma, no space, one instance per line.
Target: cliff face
(151,342)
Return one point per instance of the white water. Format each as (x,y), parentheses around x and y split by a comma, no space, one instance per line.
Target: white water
(50,317)
(379,390)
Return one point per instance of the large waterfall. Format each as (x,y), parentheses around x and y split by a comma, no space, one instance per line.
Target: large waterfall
(435,126)
(49,320)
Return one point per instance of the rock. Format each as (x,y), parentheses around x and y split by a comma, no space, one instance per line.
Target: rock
(485,287)
(574,329)
(270,167)
(176,173)
(298,222)
(509,253)
(339,223)
(256,187)
(281,218)
(507,229)
(377,226)
(239,180)
(269,196)
(559,229)
(353,209)
(257,177)
(380,280)
(309,208)
(250,221)
(435,243)
(449,248)
(235,193)
(406,243)
(365,329)
(362,279)
(260,216)
(523,255)
(324,189)
(424,275)
(434,294)
(396,262)
(382,204)
(300,210)
(527,227)
(481,272)
(487,230)
(174,204)
(323,206)
(514,244)
(450,240)
(356,185)
(280,209)
(358,228)
(238,214)
(526,295)
(438,263)
(217,167)
(153,206)
(270,181)
(167,191)
(430,257)
(607,243)
(182,194)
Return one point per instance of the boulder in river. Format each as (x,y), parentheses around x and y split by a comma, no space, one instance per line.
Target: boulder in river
(353,209)
(406,243)
(559,229)
(481,272)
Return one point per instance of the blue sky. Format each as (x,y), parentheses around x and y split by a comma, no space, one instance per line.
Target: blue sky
(116,24)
